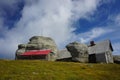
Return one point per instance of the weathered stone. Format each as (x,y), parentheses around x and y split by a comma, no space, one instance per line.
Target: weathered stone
(116,58)
(43,43)
(33,47)
(20,46)
(18,52)
(21,49)
(78,51)
(39,43)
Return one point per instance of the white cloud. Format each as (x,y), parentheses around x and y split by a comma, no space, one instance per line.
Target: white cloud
(94,33)
(117,19)
(112,29)
(116,47)
(7,9)
(51,18)
(1,23)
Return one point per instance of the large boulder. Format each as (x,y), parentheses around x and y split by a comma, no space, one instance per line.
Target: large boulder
(78,51)
(38,43)
(41,42)
(116,58)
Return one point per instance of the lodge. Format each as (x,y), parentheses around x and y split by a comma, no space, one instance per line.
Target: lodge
(36,54)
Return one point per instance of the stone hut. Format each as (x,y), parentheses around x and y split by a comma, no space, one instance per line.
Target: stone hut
(78,51)
(100,52)
(40,46)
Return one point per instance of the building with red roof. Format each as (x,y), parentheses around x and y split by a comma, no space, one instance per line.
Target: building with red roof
(38,47)
(36,54)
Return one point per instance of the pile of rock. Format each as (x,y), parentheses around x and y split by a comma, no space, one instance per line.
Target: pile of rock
(38,43)
(116,58)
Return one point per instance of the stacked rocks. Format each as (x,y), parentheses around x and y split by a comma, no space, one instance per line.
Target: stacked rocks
(38,43)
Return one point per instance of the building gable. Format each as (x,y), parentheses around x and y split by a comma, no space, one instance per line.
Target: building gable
(100,47)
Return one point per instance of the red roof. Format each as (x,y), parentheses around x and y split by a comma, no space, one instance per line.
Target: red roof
(36,52)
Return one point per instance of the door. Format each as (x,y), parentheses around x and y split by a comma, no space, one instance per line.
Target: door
(92,58)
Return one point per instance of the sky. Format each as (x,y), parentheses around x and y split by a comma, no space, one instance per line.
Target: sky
(63,20)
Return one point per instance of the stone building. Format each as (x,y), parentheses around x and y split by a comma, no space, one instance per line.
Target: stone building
(38,47)
(100,52)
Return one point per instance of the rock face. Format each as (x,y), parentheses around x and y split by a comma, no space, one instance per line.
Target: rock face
(78,51)
(116,58)
(38,43)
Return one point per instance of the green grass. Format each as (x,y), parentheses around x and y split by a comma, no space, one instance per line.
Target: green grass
(45,70)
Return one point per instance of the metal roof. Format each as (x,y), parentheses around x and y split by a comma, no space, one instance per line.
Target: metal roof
(64,54)
(100,47)
(36,52)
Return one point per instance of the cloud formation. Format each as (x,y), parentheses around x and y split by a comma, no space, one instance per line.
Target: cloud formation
(52,18)
(94,33)
(110,31)
(116,47)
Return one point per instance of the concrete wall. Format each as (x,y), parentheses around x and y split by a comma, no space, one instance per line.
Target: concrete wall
(105,57)
(109,57)
(101,58)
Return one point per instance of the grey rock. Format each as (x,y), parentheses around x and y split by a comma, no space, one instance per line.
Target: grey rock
(19,52)
(43,43)
(116,58)
(20,46)
(33,47)
(78,51)
(39,43)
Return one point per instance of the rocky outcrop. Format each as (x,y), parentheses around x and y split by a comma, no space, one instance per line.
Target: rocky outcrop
(78,51)
(116,58)
(38,43)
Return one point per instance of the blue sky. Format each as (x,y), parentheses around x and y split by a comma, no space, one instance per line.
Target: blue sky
(63,20)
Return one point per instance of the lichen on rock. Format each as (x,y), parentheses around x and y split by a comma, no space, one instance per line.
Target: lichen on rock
(38,43)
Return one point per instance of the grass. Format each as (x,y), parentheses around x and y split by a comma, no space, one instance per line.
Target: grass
(45,70)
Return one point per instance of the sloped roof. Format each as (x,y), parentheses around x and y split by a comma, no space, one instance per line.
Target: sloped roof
(36,52)
(64,54)
(100,47)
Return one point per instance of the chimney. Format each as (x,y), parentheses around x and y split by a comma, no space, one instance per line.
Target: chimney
(92,43)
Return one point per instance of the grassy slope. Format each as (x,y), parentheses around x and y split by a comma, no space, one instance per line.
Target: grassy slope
(44,70)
